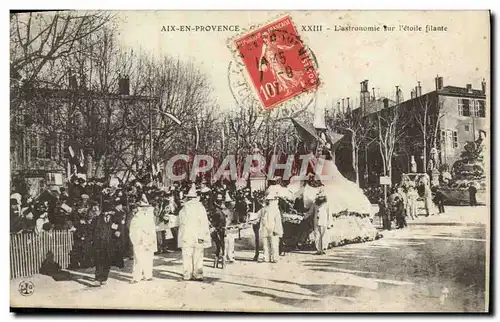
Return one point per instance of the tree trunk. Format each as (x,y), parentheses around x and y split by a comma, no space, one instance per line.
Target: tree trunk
(424,153)
(354,156)
(384,167)
(385,172)
(424,132)
(356,169)
(436,129)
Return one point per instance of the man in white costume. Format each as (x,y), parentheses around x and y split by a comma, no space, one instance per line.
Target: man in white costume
(320,211)
(230,236)
(194,236)
(271,228)
(143,238)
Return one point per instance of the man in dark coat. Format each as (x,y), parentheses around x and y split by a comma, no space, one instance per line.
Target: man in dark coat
(217,231)
(384,214)
(472,195)
(82,246)
(439,200)
(15,217)
(106,234)
(119,218)
(397,208)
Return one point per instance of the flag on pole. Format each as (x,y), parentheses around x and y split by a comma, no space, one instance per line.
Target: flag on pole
(71,151)
(68,171)
(173,118)
(197,136)
(82,158)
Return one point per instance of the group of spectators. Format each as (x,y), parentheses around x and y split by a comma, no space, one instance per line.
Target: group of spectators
(402,203)
(76,207)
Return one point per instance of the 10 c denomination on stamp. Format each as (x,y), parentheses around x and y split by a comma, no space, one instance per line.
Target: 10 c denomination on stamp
(279,65)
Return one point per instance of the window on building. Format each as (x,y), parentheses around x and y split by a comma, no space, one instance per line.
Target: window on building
(480,109)
(455,139)
(62,146)
(33,145)
(449,139)
(473,108)
(52,147)
(463,107)
(40,146)
(48,148)
(466,128)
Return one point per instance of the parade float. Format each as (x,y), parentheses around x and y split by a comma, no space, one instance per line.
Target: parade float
(349,208)
(468,170)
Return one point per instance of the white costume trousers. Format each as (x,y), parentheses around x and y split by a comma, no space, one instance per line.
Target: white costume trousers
(192,259)
(321,238)
(143,264)
(271,247)
(229,247)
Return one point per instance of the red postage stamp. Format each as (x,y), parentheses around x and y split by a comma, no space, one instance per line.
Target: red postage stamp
(278,63)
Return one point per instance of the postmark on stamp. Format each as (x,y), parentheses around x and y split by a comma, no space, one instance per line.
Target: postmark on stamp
(277,62)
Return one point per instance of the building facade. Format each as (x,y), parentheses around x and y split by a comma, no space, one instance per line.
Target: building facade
(51,126)
(450,116)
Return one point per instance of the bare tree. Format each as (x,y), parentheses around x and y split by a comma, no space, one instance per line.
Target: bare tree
(71,64)
(351,122)
(181,90)
(427,113)
(389,130)
(38,39)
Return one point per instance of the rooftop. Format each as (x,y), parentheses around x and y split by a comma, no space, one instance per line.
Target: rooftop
(462,91)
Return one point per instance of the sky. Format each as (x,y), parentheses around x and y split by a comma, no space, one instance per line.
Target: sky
(386,59)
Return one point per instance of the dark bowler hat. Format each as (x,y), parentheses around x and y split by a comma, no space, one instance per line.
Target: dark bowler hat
(107,206)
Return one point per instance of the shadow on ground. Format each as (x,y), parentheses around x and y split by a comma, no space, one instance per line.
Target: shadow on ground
(403,273)
(284,300)
(416,269)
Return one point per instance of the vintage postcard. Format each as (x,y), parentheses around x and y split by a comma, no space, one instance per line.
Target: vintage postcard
(250,161)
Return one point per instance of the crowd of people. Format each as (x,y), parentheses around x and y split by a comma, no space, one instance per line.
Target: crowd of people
(402,203)
(85,204)
(113,222)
